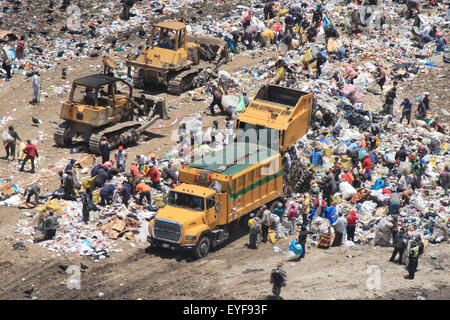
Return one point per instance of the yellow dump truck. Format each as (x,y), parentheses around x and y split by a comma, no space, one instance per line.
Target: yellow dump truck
(214,192)
(281,114)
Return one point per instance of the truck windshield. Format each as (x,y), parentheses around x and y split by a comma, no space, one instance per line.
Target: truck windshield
(188,201)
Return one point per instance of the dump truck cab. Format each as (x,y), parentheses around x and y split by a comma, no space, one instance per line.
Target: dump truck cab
(277,116)
(190,214)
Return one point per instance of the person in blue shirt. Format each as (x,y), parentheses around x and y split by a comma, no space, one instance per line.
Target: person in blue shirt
(69,166)
(106,194)
(316,158)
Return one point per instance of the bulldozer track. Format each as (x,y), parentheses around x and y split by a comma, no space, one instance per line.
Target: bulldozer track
(59,137)
(111,133)
(182,81)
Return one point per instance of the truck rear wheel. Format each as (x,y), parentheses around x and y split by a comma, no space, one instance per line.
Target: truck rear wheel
(202,248)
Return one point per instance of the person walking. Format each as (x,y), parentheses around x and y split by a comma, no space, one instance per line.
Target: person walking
(351,225)
(31,152)
(400,244)
(104,149)
(7,61)
(10,138)
(406,111)
(388,106)
(36,81)
(278,278)
(302,239)
(292,217)
(381,77)
(121,158)
(217,93)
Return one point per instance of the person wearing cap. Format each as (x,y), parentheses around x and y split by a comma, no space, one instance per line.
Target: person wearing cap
(10,142)
(154,174)
(31,152)
(278,278)
(140,160)
(400,244)
(153,160)
(69,166)
(121,157)
(104,149)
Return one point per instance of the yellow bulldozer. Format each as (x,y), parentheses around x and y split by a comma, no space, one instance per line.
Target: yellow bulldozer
(100,105)
(173,57)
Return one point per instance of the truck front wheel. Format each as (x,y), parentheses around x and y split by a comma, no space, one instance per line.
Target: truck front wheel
(202,248)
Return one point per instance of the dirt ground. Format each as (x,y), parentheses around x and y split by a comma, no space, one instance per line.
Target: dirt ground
(232,271)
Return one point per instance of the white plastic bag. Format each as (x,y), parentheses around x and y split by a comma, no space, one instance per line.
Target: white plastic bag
(347,190)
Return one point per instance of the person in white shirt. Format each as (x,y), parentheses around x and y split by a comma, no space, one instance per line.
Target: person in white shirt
(339,228)
(140,160)
(36,87)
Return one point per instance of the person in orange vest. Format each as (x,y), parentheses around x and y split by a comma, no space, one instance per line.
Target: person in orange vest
(144,192)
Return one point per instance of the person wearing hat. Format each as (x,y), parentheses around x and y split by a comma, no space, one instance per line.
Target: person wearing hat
(400,244)
(31,152)
(152,159)
(154,174)
(278,278)
(69,166)
(10,142)
(121,158)
(104,149)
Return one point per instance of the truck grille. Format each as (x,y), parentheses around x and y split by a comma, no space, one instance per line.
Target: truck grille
(167,230)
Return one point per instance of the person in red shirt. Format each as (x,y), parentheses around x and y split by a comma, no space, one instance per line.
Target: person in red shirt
(154,175)
(351,225)
(31,152)
(134,171)
(347,176)
(367,167)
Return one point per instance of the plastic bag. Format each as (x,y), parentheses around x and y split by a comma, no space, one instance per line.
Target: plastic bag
(419,202)
(383,234)
(241,105)
(347,190)
(7,138)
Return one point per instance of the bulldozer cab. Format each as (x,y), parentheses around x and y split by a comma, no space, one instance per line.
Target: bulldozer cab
(100,91)
(98,99)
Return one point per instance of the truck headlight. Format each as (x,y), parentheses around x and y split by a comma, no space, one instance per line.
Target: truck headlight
(191,238)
